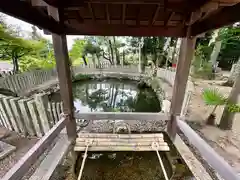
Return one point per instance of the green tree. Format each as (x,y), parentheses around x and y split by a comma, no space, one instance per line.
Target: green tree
(229,54)
(77,51)
(14,48)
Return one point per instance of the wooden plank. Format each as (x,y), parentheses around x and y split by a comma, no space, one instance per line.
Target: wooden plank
(122,116)
(35,118)
(27,116)
(61,107)
(53,158)
(18,115)
(5,115)
(51,112)
(26,162)
(2,120)
(58,110)
(213,159)
(54,110)
(65,81)
(42,105)
(9,111)
(193,164)
(180,83)
(2,115)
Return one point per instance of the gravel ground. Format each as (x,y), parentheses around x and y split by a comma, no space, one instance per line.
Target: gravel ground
(225,143)
(22,145)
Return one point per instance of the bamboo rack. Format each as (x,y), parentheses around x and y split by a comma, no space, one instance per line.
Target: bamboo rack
(120,142)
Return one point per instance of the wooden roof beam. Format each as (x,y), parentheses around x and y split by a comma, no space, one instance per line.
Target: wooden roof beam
(24,11)
(107,14)
(204,9)
(79,18)
(208,8)
(124,30)
(224,16)
(39,3)
(155,15)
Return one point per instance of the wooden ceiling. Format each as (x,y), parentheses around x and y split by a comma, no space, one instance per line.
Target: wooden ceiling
(126,17)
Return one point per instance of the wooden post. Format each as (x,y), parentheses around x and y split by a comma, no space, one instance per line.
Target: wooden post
(65,81)
(180,82)
(64,73)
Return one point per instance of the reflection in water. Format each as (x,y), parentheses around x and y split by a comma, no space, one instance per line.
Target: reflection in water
(114,96)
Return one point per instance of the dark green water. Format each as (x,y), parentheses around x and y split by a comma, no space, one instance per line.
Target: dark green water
(114,96)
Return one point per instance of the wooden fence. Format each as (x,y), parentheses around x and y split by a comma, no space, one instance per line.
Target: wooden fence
(19,83)
(29,116)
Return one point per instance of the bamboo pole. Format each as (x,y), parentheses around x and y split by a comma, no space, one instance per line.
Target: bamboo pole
(134,144)
(87,144)
(120,136)
(80,140)
(122,148)
(156,146)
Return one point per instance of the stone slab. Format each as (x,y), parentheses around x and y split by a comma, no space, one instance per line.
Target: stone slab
(5,149)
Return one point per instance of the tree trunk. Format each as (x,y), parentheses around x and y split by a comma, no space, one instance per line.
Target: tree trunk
(235,72)
(226,121)
(15,65)
(84,60)
(93,60)
(116,51)
(174,52)
(111,51)
(143,63)
(98,58)
(215,53)
(123,58)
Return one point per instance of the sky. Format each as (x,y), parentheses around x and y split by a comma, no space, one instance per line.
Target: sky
(28,28)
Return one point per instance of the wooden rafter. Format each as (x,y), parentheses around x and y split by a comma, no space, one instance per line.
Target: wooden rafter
(155,15)
(169,18)
(120,30)
(33,15)
(79,18)
(123,13)
(91,11)
(107,14)
(223,17)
